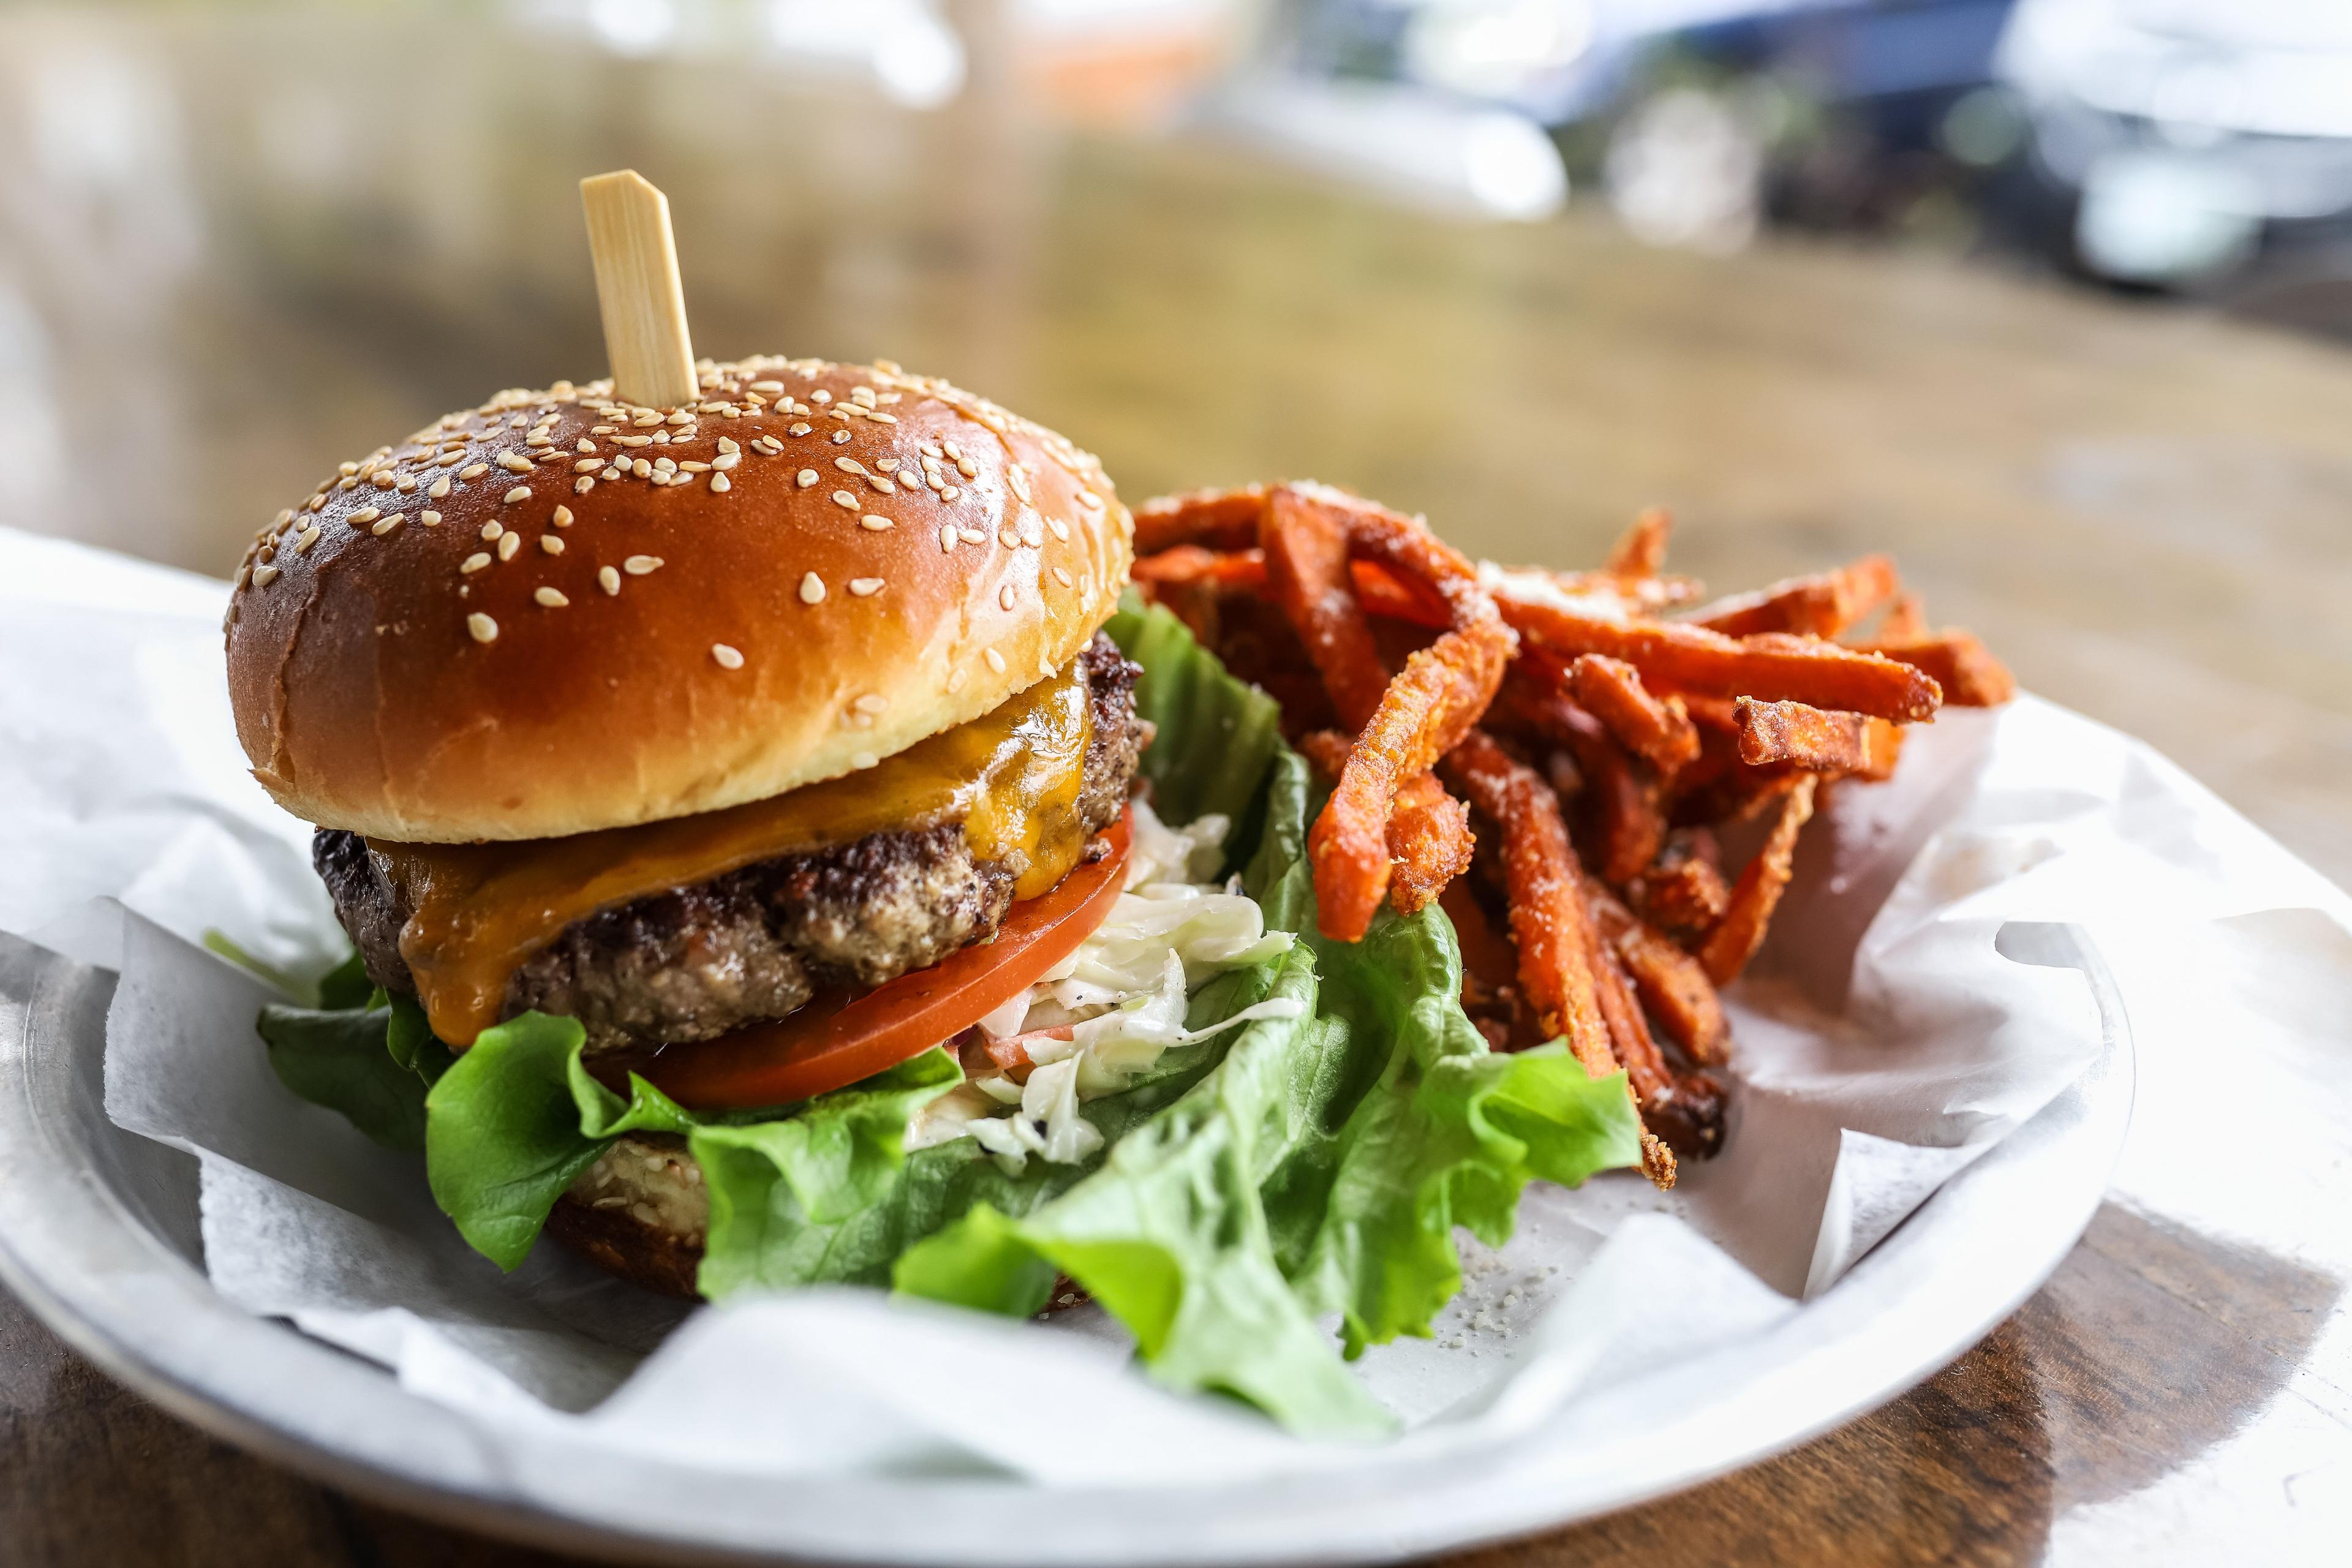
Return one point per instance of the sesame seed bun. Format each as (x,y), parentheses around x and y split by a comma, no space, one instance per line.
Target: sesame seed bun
(554,644)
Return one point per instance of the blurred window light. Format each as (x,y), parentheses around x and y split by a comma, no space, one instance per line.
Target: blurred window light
(911,52)
(2157,219)
(1405,141)
(1686,170)
(1496,49)
(633,27)
(2279,68)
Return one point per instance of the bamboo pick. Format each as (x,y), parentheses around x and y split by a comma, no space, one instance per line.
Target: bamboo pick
(637,289)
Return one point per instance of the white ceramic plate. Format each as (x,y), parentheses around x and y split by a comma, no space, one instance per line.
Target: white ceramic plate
(99,1236)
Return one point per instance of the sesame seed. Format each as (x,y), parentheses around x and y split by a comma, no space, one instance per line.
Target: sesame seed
(971,536)
(583,445)
(768,386)
(639,565)
(872,702)
(726,445)
(720,483)
(561,517)
(883,418)
(264,576)
(608,579)
(642,469)
(967,468)
(493,532)
(551,544)
(844,499)
(946,538)
(438,487)
(509,545)
(995,659)
(584,484)
(514,462)
(866,588)
(861,759)
(1061,576)
(309,537)
(819,395)
(587,465)
(726,460)
(385,525)
(552,597)
(366,514)
(728,657)
(850,465)
(1091,502)
(633,440)
(1061,530)
(1007,538)
(473,471)
(811,589)
(476,562)
(1004,596)
(806,478)
(799,430)
(887,487)
(873,521)
(950,493)
(429,518)
(450,460)
(956,677)
(1013,475)
(484,629)
(520,492)
(954,452)
(840,437)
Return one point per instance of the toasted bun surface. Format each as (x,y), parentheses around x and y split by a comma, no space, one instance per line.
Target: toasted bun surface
(555,644)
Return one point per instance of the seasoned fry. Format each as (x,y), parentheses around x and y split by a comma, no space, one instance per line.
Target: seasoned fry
(1669,980)
(1684,896)
(1422,715)
(1966,669)
(1641,550)
(1729,946)
(1905,620)
(1618,797)
(1220,520)
(1882,745)
(1780,669)
(1804,737)
(1385,593)
(1306,568)
(1821,606)
(1688,1110)
(1196,563)
(1548,922)
(1430,839)
(1657,728)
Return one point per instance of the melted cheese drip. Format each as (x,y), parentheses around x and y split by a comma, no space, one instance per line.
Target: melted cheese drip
(1011,777)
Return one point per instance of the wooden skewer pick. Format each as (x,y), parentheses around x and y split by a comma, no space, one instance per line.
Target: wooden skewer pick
(637,289)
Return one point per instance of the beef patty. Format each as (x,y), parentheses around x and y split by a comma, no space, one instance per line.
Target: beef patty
(756,943)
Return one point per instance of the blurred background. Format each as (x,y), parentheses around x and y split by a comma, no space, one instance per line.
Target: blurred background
(2049,296)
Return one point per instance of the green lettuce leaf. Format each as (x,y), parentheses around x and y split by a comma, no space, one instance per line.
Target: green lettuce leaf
(336,1058)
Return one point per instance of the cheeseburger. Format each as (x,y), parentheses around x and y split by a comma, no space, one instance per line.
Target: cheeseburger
(721,730)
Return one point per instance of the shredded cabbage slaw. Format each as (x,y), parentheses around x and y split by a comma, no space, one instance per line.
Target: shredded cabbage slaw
(1116,1003)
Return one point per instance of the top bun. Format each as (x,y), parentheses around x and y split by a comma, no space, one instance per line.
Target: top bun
(515,625)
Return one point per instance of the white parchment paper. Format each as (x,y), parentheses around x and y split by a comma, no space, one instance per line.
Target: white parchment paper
(1883,1043)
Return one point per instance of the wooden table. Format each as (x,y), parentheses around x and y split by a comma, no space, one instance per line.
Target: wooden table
(2144,509)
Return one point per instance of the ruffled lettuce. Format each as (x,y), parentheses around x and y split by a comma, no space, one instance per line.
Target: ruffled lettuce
(1251,1183)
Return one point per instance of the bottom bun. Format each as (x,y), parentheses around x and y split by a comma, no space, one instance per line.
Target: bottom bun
(641,1212)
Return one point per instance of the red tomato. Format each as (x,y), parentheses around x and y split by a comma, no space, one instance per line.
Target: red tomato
(830,1045)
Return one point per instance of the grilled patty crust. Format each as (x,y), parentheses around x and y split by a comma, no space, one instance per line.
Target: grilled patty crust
(756,943)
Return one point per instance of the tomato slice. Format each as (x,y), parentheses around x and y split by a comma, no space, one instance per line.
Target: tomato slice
(827,1045)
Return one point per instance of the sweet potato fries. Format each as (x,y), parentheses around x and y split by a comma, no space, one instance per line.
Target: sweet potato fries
(1595,747)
